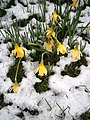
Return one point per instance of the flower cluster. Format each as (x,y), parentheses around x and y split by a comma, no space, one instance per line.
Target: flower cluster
(52,47)
(52,43)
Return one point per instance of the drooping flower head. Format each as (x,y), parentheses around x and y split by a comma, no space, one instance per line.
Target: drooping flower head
(54,16)
(75,53)
(74,4)
(41,70)
(60,48)
(50,33)
(15,87)
(18,51)
(48,45)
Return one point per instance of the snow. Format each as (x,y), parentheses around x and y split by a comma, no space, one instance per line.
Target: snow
(63,91)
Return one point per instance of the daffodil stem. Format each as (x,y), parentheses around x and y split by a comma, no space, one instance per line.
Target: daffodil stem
(43,54)
(17,70)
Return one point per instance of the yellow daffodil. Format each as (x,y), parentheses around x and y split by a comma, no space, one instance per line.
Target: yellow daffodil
(54,16)
(74,3)
(75,53)
(50,33)
(60,48)
(41,70)
(15,87)
(18,51)
(48,45)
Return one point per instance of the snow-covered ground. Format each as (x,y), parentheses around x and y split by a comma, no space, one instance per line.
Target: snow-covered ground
(66,93)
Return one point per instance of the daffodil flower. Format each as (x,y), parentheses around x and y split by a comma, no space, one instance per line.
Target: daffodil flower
(48,45)
(74,3)
(60,48)
(15,87)
(54,16)
(50,33)
(41,70)
(75,53)
(18,51)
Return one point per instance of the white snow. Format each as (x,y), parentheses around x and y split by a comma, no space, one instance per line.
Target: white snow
(63,91)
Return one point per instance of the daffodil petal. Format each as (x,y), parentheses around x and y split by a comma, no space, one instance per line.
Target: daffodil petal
(14,52)
(37,69)
(60,48)
(75,54)
(15,87)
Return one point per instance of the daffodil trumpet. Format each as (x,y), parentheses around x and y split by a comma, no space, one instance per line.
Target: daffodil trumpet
(40,69)
(75,53)
(60,48)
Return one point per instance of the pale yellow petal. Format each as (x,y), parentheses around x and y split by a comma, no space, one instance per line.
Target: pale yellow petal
(14,52)
(75,54)
(37,69)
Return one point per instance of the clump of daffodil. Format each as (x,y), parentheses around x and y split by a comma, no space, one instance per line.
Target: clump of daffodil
(15,87)
(75,53)
(18,51)
(54,16)
(60,48)
(74,4)
(41,70)
(50,33)
(48,45)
